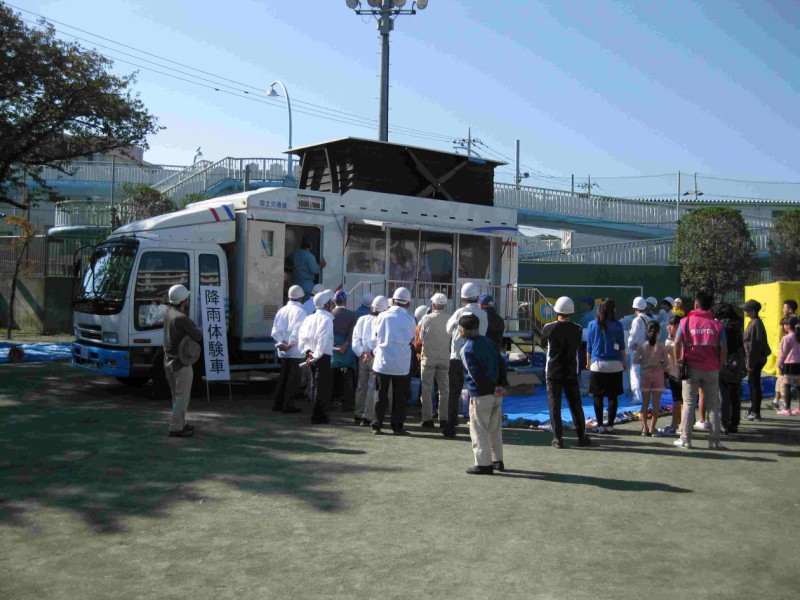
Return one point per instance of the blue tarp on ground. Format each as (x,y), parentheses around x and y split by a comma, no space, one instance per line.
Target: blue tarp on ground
(38,352)
(534,407)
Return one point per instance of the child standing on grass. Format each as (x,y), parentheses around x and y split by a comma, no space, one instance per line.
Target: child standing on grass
(673,378)
(652,356)
(789,364)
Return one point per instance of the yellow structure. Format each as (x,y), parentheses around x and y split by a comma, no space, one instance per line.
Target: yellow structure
(771,297)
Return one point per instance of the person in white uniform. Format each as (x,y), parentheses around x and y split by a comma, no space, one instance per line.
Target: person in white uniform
(636,338)
(394,334)
(285,332)
(364,348)
(308,305)
(435,364)
(316,344)
(469,300)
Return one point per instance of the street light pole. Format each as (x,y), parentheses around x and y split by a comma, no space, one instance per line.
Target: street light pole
(385,12)
(274,94)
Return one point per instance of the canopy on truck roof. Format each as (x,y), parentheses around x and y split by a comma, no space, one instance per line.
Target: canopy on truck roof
(207,221)
(354,163)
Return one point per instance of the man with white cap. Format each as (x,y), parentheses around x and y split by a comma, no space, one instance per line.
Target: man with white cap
(469,301)
(435,364)
(177,326)
(664,315)
(364,348)
(394,334)
(285,332)
(308,305)
(636,338)
(677,308)
(366,305)
(316,344)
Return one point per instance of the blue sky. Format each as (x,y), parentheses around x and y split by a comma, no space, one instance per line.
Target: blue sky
(600,88)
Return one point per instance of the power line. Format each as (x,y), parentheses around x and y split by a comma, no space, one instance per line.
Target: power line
(748,180)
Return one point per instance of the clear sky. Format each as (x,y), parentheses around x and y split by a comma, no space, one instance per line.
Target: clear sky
(609,89)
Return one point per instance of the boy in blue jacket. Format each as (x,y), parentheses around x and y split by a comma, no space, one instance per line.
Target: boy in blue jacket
(484,377)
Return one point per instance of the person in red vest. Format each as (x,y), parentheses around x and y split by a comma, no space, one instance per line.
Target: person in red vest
(702,344)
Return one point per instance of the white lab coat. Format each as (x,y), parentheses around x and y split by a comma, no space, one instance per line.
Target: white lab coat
(309,307)
(316,334)
(286,328)
(393,333)
(363,339)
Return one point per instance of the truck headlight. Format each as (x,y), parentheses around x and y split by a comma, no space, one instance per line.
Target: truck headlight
(110,337)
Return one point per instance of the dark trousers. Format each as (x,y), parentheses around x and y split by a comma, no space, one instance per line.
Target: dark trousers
(456,379)
(787,394)
(754,381)
(343,383)
(731,407)
(613,405)
(572,389)
(321,385)
(401,390)
(288,383)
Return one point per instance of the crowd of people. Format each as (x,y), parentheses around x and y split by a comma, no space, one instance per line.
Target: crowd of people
(702,355)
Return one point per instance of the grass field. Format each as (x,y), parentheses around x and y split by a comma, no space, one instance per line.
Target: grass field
(97,502)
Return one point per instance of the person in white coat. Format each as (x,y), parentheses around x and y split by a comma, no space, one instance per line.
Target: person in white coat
(316,344)
(285,332)
(435,363)
(308,305)
(469,300)
(394,334)
(636,338)
(364,348)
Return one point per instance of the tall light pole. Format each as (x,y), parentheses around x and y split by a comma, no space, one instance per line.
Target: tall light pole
(274,94)
(385,12)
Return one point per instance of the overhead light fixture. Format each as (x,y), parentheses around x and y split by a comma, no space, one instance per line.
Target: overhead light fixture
(374,3)
(352,4)
(422,4)
(398,3)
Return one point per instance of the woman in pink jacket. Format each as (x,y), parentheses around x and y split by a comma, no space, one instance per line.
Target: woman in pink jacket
(789,365)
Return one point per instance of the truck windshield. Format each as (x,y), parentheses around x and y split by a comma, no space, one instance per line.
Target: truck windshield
(105,279)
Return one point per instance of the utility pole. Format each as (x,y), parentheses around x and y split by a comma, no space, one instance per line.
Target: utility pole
(385,12)
(678,200)
(697,193)
(519,175)
(572,187)
(467,143)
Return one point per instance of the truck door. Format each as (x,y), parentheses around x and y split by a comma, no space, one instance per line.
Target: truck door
(264,275)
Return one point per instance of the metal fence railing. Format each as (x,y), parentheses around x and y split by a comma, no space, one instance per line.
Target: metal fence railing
(45,256)
(106,171)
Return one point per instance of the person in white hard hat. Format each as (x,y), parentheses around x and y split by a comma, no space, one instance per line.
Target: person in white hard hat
(285,332)
(177,326)
(677,308)
(562,342)
(394,334)
(637,337)
(664,315)
(308,305)
(469,304)
(364,348)
(435,364)
(316,344)
(366,305)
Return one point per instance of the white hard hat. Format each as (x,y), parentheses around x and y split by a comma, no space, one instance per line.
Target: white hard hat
(367,298)
(317,289)
(564,306)
(469,291)
(322,298)
(439,298)
(296,292)
(652,300)
(678,300)
(177,294)
(380,303)
(420,312)
(639,303)
(402,294)
(669,299)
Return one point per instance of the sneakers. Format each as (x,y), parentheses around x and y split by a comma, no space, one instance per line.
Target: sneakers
(476,470)
(784,412)
(427,425)
(679,443)
(712,445)
(701,426)
(584,441)
(187,431)
(660,433)
(608,429)
(365,423)
(669,430)
(498,465)
(557,443)
(752,417)
(796,411)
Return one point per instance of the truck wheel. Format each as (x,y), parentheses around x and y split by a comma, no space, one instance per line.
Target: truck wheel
(134,382)
(160,384)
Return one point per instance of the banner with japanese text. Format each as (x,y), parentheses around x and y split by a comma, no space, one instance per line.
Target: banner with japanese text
(215,333)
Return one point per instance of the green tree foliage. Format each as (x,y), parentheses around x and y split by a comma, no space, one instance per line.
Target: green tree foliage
(714,250)
(784,246)
(143,202)
(58,102)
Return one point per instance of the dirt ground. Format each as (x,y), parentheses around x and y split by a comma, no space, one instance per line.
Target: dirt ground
(97,502)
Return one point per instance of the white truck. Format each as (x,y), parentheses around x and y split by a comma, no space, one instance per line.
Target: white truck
(370,241)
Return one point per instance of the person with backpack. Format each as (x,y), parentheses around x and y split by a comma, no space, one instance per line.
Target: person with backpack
(733,371)
(756,350)
(702,347)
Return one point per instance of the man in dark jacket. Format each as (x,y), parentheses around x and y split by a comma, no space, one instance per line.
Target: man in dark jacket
(496,327)
(731,373)
(484,376)
(756,350)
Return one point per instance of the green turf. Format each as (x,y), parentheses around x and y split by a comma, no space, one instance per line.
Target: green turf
(96,502)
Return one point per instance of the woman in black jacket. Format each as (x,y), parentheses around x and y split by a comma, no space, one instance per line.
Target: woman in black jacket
(732,372)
